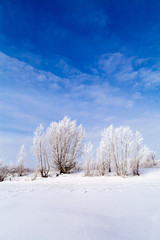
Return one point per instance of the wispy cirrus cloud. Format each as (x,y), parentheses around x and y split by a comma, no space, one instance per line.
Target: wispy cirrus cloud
(118,65)
(150,77)
(102,94)
(129,69)
(77,85)
(13,71)
(114,66)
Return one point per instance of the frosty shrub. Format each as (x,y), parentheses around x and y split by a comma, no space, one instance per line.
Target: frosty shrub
(88,159)
(65,143)
(39,149)
(18,169)
(138,153)
(4,171)
(149,158)
(21,160)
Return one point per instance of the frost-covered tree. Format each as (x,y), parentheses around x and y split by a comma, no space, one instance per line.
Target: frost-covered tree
(102,164)
(40,150)
(138,150)
(153,156)
(21,160)
(148,158)
(110,138)
(124,141)
(114,150)
(105,152)
(65,143)
(88,158)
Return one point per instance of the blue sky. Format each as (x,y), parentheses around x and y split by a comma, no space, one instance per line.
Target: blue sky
(95,61)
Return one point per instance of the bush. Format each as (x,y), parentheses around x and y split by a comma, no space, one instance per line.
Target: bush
(4,171)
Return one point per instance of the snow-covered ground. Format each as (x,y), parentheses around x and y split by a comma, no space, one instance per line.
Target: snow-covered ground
(81,208)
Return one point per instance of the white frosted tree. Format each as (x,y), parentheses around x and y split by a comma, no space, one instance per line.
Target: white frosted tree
(124,141)
(138,153)
(114,150)
(21,160)
(110,137)
(88,158)
(65,143)
(105,152)
(102,154)
(153,156)
(148,157)
(40,150)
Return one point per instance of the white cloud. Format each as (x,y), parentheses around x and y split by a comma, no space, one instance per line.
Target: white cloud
(122,68)
(126,75)
(150,77)
(102,94)
(117,63)
(19,72)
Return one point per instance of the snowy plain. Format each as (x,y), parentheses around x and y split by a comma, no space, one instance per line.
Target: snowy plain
(72,207)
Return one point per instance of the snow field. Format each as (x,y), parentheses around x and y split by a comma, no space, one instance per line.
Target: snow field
(79,208)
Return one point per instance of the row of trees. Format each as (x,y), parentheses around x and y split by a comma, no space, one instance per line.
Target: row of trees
(120,151)
(62,146)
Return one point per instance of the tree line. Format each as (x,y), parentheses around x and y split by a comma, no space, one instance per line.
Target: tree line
(62,147)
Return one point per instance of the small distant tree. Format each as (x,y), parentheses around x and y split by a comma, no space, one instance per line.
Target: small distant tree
(88,158)
(153,156)
(12,169)
(65,143)
(102,161)
(40,151)
(148,157)
(21,161)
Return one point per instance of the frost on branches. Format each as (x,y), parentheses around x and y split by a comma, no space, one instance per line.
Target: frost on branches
(105,151)
(148,158)
(3,171)
(21,160)
(88,158)
(65,141)
(40,151)
(138,150)
(121,152)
